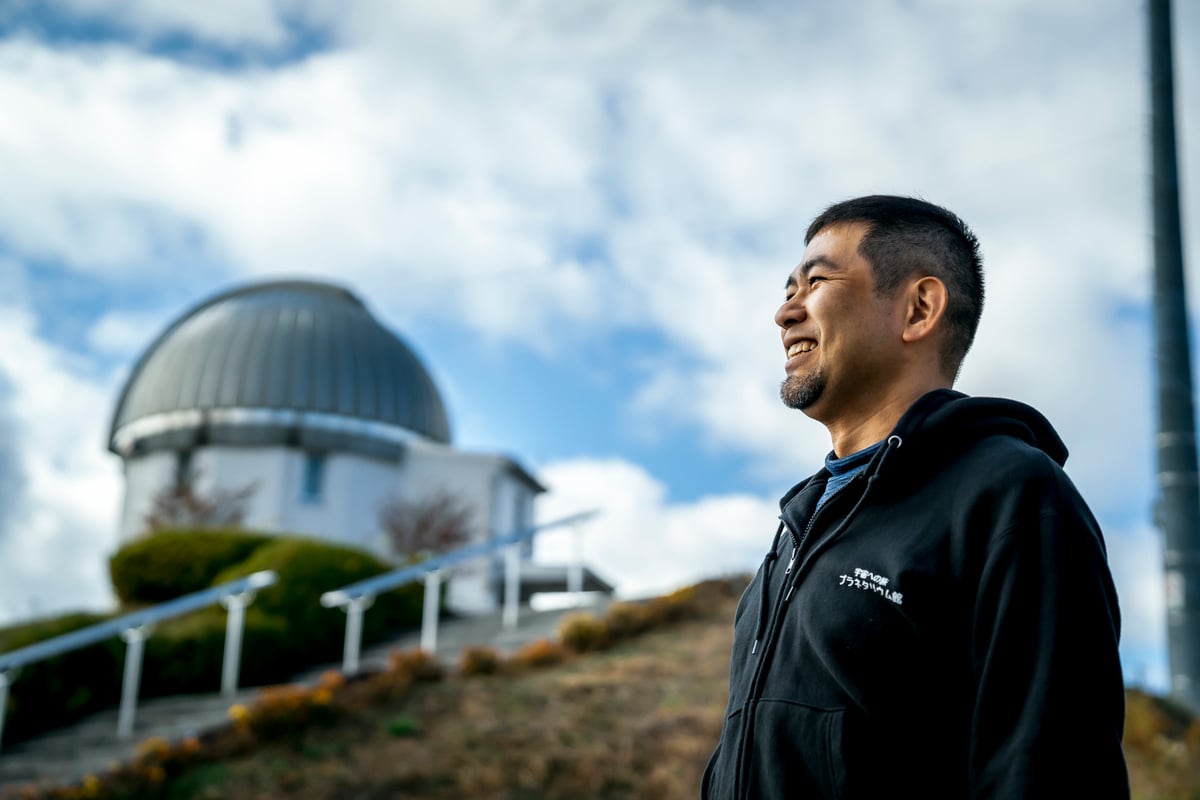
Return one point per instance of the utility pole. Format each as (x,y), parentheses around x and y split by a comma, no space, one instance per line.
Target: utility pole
(1178,476)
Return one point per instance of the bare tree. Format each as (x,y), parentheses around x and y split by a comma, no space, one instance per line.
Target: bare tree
(430,525)
(180,504)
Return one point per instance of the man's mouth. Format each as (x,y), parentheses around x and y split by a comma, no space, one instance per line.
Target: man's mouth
(802,346)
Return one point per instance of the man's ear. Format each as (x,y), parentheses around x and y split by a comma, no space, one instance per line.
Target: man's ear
(925,308)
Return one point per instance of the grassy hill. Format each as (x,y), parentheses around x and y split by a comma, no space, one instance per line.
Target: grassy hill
(636,721)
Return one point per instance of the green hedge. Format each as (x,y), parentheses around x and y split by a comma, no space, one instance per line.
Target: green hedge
(309,568)
(62,689)
(175,562)
(286,628)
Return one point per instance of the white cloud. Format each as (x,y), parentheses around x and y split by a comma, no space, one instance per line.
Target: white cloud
(641,541)
(1135,557)
(125,334)
(54,546)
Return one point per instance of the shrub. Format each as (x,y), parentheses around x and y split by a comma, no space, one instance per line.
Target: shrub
(286,628)
(307,568)
(538,653)
(582,632)
(479,660)
(187,654)
(177,561)
(62,689)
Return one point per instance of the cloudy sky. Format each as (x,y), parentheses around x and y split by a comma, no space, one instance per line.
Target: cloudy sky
(580,215)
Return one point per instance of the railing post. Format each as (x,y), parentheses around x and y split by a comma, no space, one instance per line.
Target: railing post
(575,568)
(135,640)
(6,678)
(354,622)
(429,613)
(234,628)
(512,584)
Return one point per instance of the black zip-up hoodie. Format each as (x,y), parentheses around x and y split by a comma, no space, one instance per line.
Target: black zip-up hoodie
(945,626)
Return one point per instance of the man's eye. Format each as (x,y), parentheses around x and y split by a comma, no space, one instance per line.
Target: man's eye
(814,278)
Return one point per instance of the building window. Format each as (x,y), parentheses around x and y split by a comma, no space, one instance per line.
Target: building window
(183,468)
(314,478)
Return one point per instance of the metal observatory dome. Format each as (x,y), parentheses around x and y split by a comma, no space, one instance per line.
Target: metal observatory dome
(294,363)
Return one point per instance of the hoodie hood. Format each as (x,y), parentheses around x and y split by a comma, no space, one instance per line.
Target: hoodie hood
(942,422)
(945,418)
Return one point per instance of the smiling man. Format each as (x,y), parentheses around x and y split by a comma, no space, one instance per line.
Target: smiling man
(935,616)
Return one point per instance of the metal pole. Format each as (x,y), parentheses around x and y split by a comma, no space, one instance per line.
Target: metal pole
(1177,462)
(234,626)
(354,615)
(429,613)
(135,640)
(512,585)
(6,678)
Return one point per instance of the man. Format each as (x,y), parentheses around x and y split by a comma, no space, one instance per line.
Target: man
(935,617)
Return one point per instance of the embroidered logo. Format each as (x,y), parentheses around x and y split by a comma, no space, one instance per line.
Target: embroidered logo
(870,582)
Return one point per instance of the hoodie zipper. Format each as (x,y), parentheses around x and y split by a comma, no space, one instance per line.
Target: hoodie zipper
(768,639)
(798,541)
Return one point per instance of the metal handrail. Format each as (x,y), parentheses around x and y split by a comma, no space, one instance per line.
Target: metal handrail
(74,640)
(357,597)
(134,628)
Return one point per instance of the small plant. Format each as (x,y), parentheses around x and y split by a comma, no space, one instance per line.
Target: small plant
(402,727)
(480,660)
(582,632)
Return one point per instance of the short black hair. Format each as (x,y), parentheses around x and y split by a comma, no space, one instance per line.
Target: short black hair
(907,236)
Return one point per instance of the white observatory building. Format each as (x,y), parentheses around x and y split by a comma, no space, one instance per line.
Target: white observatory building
(294,387)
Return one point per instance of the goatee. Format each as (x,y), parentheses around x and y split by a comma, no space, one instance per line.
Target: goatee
(801,391)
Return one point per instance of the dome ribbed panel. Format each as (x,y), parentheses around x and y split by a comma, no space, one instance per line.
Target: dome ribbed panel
(292,345)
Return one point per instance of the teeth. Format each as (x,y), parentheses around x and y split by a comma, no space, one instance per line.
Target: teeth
(801,347)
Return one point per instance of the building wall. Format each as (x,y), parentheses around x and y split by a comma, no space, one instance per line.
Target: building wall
(351,491)
(235,468)
(144,476)
(430,469)
(345,507)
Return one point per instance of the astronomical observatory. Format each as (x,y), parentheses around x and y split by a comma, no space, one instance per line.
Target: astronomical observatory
(295,388)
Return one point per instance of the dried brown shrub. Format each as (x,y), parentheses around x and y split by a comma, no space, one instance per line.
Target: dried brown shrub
(582,632)
(480,660)
(627,619)
(538,653)
(420,665)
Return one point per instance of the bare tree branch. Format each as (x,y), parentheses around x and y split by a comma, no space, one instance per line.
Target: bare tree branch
(181,505)
(434,524)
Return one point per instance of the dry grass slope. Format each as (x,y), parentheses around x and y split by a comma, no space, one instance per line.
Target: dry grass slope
(635,721)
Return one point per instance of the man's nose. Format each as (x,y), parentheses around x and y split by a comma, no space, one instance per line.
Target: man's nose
(791,311)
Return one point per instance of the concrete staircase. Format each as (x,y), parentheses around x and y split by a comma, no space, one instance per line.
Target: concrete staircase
(91,745)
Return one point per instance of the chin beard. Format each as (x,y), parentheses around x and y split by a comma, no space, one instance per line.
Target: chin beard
(800,392)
